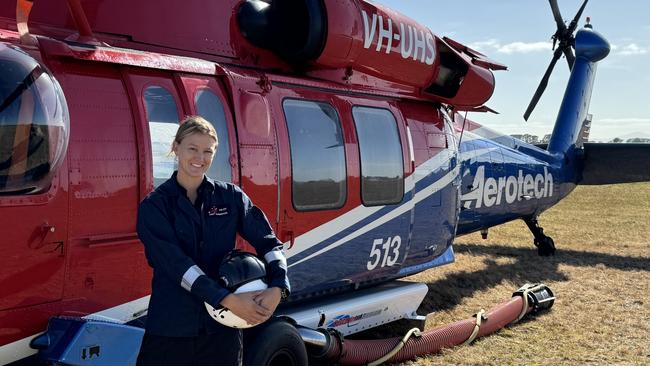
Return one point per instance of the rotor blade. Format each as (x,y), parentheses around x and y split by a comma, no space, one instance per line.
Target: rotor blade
(542,84)
(570,58)
(558,16)
(575,20)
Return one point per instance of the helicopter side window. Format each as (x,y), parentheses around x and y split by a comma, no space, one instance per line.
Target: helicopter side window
(317,155)
(209,107)
(34,123)
(163,123)
(382,168)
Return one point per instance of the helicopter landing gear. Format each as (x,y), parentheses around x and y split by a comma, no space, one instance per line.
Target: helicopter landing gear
(545,244)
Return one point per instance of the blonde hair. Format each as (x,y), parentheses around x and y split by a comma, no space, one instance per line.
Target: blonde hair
(195,124)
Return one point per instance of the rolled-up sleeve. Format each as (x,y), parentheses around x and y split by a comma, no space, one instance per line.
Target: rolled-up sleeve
(166,256)
(255,228)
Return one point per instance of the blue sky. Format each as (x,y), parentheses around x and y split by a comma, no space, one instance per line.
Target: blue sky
(518,32)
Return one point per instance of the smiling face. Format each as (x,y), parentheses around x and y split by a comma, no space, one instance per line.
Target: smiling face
(195,153)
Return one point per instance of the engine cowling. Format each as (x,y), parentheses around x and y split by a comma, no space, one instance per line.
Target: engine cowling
(372,39)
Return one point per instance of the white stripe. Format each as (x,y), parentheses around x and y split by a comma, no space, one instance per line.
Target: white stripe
(465,155)
(16,350)
(316,235)
(410,142)
(435,187)
(357,214)
(275,255)
(431,165)
(20,349)
(190,276)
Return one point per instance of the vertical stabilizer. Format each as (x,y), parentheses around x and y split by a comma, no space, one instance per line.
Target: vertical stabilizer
(590,47)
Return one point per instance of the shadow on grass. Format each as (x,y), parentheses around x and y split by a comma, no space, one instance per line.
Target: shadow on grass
(445,294)
(566,256)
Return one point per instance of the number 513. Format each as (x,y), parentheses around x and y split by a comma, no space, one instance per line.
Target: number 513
(388,256)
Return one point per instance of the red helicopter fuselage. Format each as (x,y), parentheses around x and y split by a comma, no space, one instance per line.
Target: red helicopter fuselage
(137,68)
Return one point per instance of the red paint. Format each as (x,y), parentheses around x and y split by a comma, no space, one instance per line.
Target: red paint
(73,249)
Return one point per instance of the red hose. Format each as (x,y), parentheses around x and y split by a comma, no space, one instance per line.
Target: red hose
(361,352)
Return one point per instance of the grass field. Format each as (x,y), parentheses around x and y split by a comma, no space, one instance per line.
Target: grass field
(600,276)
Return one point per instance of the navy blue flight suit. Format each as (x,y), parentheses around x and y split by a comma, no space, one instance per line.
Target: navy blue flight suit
(184,244)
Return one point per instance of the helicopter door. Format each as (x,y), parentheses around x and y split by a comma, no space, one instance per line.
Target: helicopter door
(103,247)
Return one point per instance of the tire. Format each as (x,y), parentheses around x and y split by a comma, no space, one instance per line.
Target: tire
(276,343)
(546,247)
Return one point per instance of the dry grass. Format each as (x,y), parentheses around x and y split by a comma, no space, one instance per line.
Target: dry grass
(600,275)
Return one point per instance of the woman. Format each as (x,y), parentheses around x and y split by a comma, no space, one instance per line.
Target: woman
(188,225)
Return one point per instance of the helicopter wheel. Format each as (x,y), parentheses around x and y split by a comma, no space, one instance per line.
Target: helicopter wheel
(274,343)
(545,246)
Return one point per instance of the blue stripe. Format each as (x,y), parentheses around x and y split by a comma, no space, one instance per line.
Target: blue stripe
(408,196)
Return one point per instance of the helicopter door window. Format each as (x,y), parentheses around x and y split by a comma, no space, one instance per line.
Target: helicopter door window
(163,123)
(382,169)
(317,155)
(34,124)
(209,107)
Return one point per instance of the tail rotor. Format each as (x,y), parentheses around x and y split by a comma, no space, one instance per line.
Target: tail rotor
(565,42)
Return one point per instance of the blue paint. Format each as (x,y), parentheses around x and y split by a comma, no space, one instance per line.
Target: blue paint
(429,222)
(562,160)
(500,179)
(446,258)
(75,341)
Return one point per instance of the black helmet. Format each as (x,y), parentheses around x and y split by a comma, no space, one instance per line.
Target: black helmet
(239,268)
(239,272)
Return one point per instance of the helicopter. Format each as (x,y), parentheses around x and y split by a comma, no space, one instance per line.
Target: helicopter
(344,121)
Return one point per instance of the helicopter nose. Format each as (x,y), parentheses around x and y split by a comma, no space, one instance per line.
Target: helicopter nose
(591,45)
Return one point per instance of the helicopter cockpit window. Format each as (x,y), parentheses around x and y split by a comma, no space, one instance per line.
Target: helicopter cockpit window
(382,169)
(163,123)
(317,155)
(209,107)
(34,123)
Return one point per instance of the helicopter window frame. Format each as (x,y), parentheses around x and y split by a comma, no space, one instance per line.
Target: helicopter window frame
(158,143)
(298,195)
(369,197)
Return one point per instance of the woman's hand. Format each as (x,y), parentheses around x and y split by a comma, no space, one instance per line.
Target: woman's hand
(245,306)
(269,298)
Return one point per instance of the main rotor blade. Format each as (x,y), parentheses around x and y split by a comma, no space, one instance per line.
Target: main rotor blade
(561,27)
(576,19)
(542,84)
(570,58)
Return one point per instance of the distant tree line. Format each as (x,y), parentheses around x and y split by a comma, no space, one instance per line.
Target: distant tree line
(534,139)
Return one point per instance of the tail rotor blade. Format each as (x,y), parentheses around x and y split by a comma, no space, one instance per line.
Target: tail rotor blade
(542,84)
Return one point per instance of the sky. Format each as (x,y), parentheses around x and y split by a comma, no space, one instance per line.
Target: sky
(518,34)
